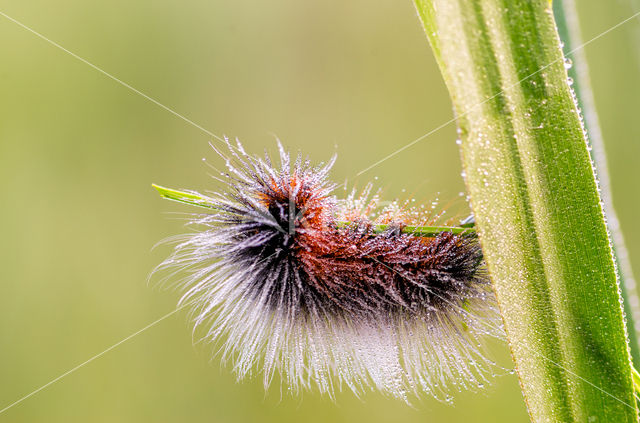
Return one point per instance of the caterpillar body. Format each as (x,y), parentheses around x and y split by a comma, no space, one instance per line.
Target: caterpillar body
(280,280)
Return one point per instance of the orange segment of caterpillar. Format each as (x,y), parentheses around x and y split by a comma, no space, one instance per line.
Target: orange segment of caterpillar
(285,276)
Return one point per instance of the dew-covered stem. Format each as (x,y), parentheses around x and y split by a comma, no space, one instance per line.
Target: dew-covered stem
(537,208)
(569,29)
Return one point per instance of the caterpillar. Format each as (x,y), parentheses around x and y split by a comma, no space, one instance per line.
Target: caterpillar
(290,280)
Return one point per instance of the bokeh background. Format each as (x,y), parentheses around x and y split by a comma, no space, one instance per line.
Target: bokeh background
(78,152)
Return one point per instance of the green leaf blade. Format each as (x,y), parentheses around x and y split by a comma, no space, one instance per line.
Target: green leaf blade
(536,204)
(566,17)
(185,197)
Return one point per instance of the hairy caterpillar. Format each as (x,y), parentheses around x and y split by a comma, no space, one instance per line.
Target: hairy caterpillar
(292,280)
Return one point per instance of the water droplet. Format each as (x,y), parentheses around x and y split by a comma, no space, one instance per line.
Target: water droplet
(567,63)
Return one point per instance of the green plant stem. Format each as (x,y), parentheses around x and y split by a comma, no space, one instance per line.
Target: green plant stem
(422,231)
(198,200)
(569,30)
(536,204)
(185,197)
(636,381)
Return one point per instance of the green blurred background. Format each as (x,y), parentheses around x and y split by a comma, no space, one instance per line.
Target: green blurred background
(78,152)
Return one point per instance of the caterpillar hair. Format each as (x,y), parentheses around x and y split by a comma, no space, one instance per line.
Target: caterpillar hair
(291,280)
